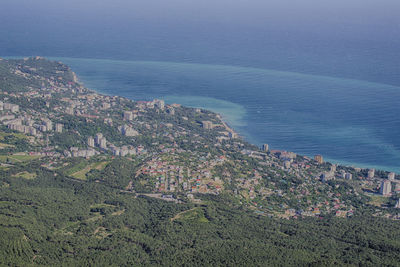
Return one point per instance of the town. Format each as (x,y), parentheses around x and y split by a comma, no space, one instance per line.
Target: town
(173,150)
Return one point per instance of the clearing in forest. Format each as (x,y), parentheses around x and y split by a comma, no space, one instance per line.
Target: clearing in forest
(193,215)
(81,174)
(25,175)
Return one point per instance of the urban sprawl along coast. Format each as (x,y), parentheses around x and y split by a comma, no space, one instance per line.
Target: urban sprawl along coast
(168,151)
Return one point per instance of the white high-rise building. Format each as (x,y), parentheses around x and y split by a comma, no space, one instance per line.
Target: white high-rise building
(128,131)
(90,141)
(207,125)
(287,164)
(348,176)
(49,124)
(265,147)
(11,107)
(128,115)
(98,138)
(59,128)
(397,206)
(386,187)
(159,103)
(371,173)
(70,110)
(103,143)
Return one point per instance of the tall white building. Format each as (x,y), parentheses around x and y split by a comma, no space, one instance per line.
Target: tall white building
(90,141)
(49,124)
(98,138)
(207,125)
(59,128)
(371,173)
(397,206)
(287,164)
(265,147)
(348,176)
(128,115)
(103,143)
(70,110)
(159,103)
(11,107)
(319,159)
(128,131)
(232,135)
(386,187)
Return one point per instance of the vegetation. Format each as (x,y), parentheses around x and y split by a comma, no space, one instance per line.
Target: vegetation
(13,76)
(51,220)
(169,193)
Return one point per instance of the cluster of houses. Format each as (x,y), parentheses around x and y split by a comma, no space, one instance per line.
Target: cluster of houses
(172,172)
(177,170)
(32,124)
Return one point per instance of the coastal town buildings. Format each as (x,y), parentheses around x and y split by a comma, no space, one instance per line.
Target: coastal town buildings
(265,147)
(171,152)
(128,131)
(397,206)
(59,128)
(348,176)
(171,111)
(9,106)
(319,159)
(386,187)
(159,104)
(208,125)
(128,115)
(391,176)
(48,125)
(103,143)
(98,138)
(371,173)
(90,141)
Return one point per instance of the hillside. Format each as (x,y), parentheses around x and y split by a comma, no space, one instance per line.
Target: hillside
(94,180)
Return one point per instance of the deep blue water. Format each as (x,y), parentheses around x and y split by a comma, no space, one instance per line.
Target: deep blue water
(348,121)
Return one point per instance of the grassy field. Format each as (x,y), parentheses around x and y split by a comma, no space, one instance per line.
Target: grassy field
(378,200)
(81,173)
(25,175)
(17,158)
(192,215)
(2,145)
(101,205)
(18,135)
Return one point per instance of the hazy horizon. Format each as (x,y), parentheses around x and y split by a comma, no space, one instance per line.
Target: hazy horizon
(248,33)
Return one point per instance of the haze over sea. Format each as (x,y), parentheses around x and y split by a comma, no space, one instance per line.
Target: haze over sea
(316,78)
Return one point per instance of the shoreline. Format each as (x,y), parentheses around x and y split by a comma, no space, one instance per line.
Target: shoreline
(239,134)
(245,137)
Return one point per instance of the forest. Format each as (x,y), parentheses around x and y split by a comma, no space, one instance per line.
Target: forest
(53,220)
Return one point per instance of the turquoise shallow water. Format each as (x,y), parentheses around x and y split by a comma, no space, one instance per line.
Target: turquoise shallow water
(348,121)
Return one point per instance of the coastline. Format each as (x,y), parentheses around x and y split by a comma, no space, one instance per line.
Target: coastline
(204,154)
(237,117)
(239,134)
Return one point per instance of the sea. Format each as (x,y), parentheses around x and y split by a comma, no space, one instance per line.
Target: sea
(311,89)
(348,121)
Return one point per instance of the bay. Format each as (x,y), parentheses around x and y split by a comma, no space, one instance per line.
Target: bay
(348,121)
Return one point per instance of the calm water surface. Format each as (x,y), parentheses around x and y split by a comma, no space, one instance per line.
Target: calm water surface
(348,121)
